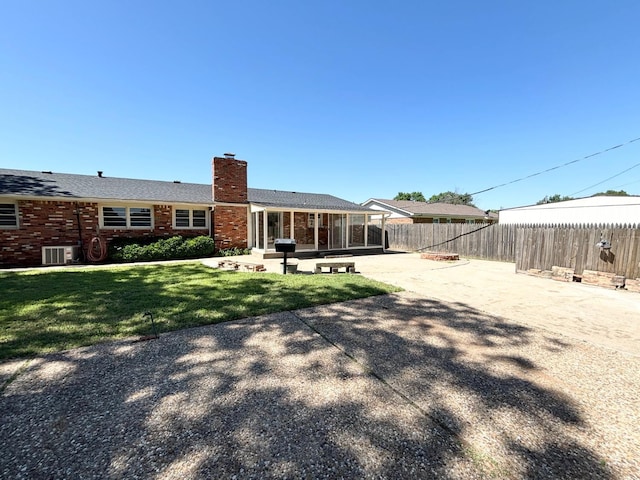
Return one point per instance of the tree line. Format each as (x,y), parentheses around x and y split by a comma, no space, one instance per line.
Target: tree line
(561,198)
(444,197)
(467,199)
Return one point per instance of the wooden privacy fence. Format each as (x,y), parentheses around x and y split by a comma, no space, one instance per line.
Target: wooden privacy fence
(529,247)
(487,241)
(577,248)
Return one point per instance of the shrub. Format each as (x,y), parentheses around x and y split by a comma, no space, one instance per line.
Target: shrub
(202,246)
(161,249)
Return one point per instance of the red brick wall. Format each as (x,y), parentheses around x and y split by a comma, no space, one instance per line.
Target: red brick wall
(230,226)
(397,221)
(55,223)
(48,223)
(302,232)
(229,184)
(229,180)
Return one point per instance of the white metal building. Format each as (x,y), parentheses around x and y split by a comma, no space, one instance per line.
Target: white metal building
(590,210)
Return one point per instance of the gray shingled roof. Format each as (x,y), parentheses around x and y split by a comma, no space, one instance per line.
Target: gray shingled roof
(424,209)
(40,184)
(319,201)
(76,187)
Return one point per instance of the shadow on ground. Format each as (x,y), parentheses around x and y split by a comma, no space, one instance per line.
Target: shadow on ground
(467,371)
(414,389)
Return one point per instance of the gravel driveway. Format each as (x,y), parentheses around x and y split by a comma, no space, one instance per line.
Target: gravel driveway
(404,385)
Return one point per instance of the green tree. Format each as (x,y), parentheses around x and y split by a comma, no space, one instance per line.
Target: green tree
(553,199)
(414,196)
(612,193)
(453,198)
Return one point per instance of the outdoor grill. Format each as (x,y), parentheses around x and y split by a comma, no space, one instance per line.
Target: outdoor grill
(285,245)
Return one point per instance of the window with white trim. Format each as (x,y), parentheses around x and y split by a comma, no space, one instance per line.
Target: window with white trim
(126,217)
(190,218)
(312,220)
(8,215)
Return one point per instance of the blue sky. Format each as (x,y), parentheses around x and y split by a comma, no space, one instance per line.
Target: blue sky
(354,98)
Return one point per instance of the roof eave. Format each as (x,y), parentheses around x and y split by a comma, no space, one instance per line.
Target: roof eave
(297,208)
(42,198)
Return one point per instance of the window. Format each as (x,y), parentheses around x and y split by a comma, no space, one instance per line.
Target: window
(126,217)
(436,220)
(187,218)
(312,217)
(8,215)
(139,217)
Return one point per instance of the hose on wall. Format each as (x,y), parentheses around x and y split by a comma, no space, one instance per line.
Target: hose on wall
(97,251)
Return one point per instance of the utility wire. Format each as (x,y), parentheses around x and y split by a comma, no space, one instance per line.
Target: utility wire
(605,180)
(557,167)
(628,183)
(562,206)
(455,238)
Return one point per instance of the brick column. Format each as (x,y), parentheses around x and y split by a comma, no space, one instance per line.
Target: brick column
(229,190)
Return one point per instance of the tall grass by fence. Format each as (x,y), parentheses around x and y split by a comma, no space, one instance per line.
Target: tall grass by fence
(529,247)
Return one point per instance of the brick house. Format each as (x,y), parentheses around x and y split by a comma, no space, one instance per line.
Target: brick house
(52,218)
(408,211)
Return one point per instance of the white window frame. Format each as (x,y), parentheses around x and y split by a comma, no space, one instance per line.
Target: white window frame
(127,213)
(312,220)
(15,217)
(190,226)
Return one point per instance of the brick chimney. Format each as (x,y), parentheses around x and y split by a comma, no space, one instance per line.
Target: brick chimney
(229,179)
(229,184)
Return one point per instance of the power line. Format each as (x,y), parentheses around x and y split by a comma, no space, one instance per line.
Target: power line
(456,237)
(606,180)
(628,183)
(557,167)
(562,206)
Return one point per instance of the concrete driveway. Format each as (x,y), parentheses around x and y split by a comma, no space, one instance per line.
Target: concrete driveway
(602,317)
(441,381)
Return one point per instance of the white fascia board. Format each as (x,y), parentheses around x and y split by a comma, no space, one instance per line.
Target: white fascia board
(229,204)
(378,205)
(255,207)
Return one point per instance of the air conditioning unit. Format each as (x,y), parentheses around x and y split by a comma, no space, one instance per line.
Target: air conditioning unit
(60,255)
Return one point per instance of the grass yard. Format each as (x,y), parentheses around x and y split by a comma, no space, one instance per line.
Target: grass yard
(48,310)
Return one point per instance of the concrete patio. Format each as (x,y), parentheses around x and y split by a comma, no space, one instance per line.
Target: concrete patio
(473,372)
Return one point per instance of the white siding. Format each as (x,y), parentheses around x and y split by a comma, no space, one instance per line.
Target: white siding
(591,210)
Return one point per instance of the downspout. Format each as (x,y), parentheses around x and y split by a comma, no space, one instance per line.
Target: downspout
(384,233)
(366,230)
(80,245)
(212,217)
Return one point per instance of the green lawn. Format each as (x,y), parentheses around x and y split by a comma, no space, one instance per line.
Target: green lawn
(48,310)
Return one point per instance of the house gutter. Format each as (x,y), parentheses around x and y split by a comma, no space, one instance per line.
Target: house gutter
(211,218)
(82,257)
